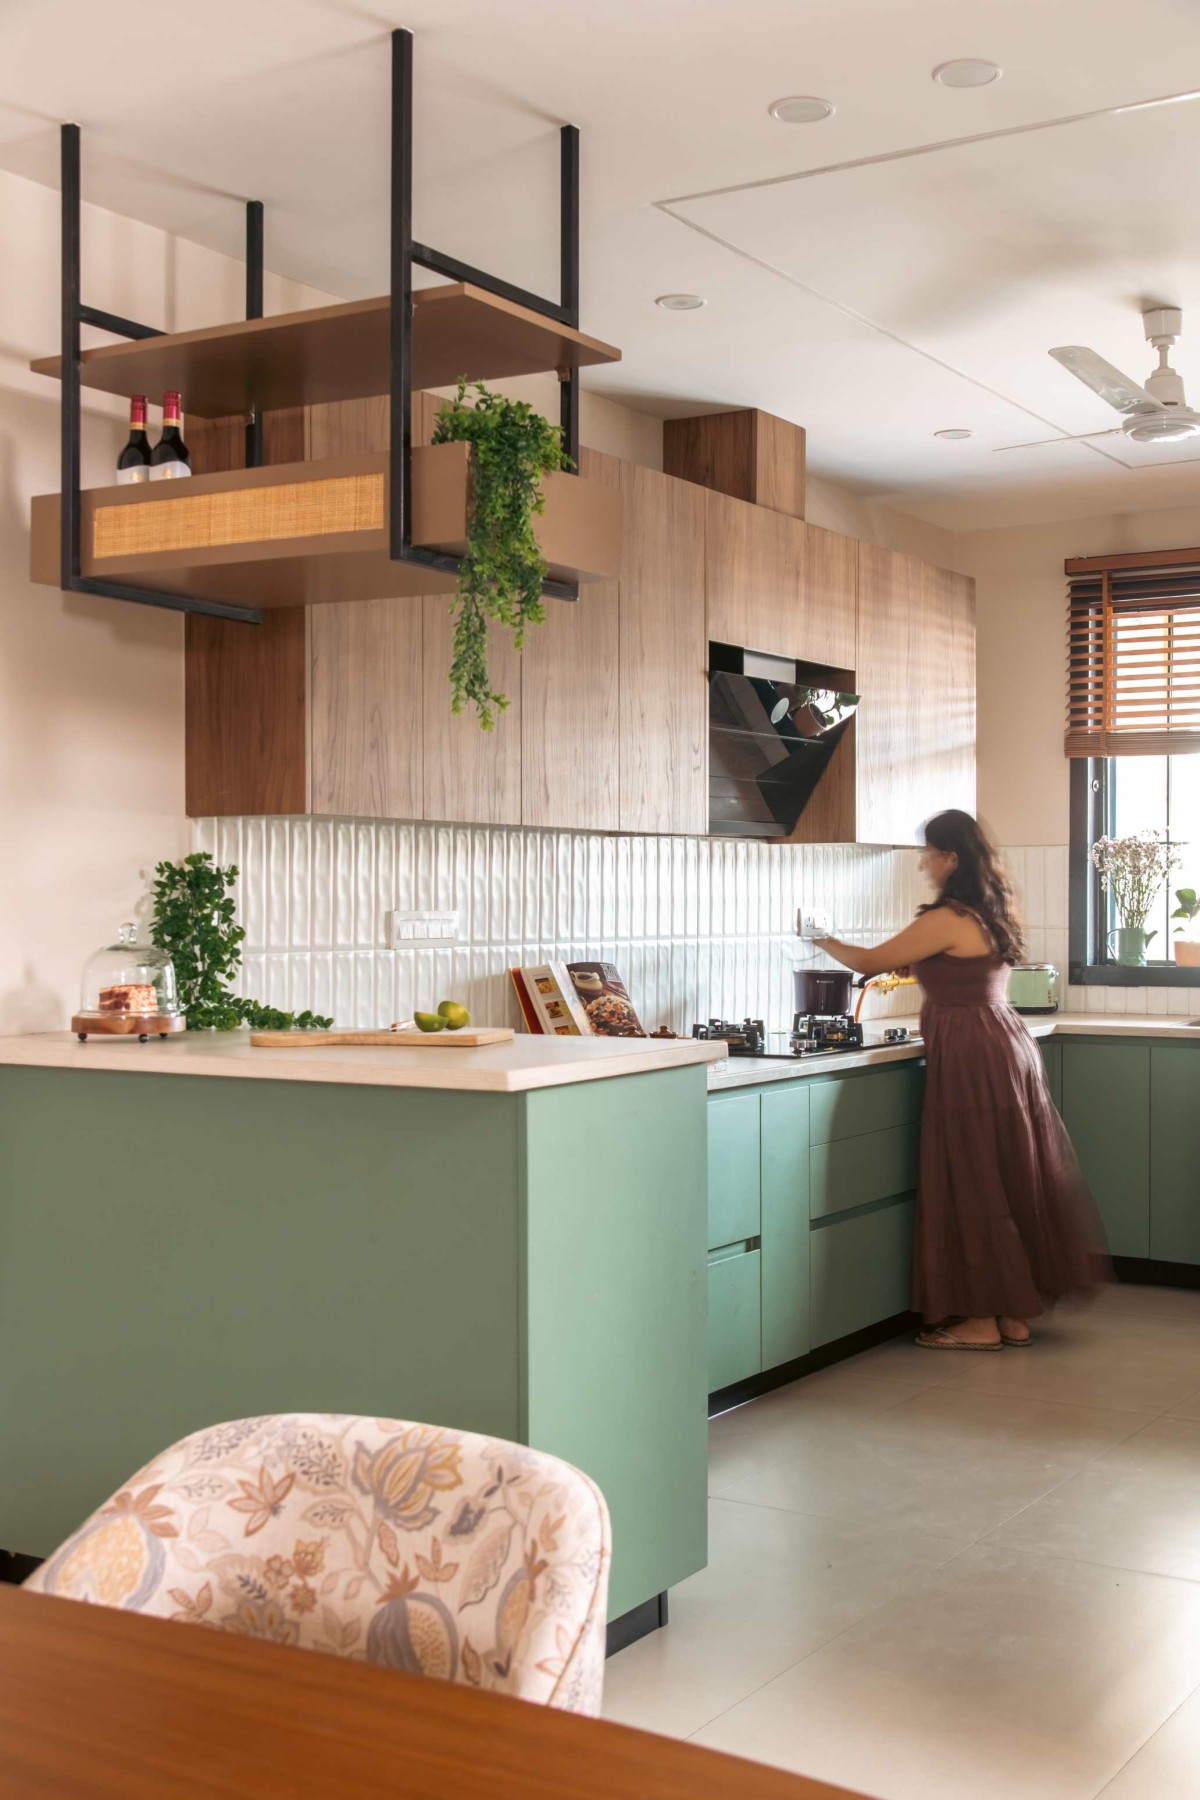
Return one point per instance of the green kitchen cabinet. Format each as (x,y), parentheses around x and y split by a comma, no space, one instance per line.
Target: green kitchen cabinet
(734,1149)
(192,1249)
(854,1172)
(786,1327)
(1106,1109)
(861,1269)
(1175,1153)
(734,1316)
(850,1106)
(1052,1055)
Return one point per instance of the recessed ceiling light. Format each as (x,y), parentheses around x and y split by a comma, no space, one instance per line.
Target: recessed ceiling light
(967,72)
(801,109)
(953,431)
(681,302)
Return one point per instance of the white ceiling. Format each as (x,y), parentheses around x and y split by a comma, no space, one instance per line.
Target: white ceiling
(874,303)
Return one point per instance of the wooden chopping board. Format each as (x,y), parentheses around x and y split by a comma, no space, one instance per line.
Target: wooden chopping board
(470,1038)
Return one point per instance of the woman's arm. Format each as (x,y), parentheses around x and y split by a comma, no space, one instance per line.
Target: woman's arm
(928,935)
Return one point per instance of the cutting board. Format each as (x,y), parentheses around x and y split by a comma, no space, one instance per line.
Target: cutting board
(470,1038)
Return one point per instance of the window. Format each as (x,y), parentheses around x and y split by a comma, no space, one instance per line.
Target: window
(1133,732)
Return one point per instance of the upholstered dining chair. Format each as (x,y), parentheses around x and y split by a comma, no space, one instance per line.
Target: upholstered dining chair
(429,1550)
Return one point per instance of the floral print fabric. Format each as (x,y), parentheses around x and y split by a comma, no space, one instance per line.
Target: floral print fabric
(434,1551)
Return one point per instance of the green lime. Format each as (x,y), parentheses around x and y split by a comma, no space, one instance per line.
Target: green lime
(429,1022)
(455,1016)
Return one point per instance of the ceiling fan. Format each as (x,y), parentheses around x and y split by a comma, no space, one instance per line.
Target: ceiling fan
(1154,414)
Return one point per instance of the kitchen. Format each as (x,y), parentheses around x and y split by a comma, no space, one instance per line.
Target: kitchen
(391,856)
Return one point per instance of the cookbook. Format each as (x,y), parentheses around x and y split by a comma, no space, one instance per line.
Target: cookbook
(579,999)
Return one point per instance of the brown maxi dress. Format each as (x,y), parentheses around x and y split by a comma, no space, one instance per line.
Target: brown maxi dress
(1005,1223)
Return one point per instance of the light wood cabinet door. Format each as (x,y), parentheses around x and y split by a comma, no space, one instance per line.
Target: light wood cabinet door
(775,584)
(915,729)
(471,777)
(570,722)
(663,655)
(365,701)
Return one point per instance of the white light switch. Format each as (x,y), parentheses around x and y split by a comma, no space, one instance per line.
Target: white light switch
(408,929)
(813,924)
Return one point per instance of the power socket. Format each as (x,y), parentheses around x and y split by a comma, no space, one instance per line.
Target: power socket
(408,930)
(813,924)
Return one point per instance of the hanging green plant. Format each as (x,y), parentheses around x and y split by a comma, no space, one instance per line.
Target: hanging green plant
(513,448)
(193,922)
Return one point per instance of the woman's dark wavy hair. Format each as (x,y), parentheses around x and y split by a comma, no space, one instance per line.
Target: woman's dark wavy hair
(979,880)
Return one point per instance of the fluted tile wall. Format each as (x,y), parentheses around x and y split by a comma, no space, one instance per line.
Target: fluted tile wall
(697,926)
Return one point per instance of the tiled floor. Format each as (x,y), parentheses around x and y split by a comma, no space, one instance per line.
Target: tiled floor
(953,1576)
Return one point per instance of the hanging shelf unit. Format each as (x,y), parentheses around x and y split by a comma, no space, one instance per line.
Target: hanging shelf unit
(349,528)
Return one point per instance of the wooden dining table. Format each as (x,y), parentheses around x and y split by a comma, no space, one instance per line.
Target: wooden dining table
(98,1704)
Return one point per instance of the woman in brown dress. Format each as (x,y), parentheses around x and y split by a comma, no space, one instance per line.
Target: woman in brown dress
(1004,1223)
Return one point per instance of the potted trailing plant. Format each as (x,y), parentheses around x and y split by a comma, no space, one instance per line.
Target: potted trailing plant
(503,570)
(193,922)
(1133,870)
(1187,949)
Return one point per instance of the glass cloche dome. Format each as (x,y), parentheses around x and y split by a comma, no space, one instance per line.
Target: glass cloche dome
(128,989)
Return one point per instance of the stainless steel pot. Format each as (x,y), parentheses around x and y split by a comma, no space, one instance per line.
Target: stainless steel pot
(825,993)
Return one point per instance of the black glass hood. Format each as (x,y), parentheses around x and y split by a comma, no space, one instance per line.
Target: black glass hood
(773,727)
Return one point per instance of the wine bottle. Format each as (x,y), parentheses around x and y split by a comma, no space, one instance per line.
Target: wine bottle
(169,457)
(133,464)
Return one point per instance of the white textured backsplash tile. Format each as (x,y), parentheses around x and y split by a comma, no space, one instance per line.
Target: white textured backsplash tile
(697,926)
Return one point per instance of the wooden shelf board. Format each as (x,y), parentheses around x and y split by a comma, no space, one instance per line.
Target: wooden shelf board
(304,534)
(337,353)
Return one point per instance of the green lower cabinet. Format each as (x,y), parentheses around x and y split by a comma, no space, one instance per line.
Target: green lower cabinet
(1052,1055)
(850,1106)
(734,1317)
(786,1326)
(1106,1109)
(861,1269)
(857,1171)
(733,1167)
(1175,1153)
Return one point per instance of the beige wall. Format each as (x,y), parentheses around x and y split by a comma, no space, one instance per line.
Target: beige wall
(1021,614)
(837,508)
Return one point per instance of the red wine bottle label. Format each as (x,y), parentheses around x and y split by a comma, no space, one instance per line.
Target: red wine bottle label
(168,471)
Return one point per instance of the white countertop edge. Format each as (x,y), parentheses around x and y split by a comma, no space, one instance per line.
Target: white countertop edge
(527,1063)
(752,1071)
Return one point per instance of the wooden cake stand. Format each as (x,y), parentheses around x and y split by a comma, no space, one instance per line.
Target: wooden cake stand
(143,1026)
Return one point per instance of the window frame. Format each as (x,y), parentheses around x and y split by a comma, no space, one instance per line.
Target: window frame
(1086,906)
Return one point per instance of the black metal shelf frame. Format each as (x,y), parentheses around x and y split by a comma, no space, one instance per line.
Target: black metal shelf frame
(405,252)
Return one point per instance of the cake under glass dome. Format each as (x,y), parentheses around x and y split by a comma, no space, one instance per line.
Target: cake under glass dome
(128,990)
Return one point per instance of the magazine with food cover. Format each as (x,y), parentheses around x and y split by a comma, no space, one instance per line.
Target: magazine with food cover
(579,999)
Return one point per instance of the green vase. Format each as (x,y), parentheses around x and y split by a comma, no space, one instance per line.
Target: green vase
(1131,946)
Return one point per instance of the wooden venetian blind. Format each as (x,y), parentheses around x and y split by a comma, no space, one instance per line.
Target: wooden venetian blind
(1133,660)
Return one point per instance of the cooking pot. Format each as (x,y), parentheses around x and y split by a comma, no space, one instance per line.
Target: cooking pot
(824,993)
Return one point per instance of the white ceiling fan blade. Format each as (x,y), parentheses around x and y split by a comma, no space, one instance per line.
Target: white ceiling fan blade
(1103,379)
(1078,438)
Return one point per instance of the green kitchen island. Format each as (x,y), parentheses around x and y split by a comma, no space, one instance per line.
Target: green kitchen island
(508,1240)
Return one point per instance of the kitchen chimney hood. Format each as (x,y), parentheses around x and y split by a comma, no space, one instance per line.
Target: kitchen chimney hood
(773,725)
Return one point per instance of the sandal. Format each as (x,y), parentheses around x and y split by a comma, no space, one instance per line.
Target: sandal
(946,1340)
(1017,1343)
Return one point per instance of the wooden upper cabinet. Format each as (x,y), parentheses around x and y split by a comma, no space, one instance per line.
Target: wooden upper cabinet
(570,722)
(778,585)
(915,729)
(663,689)
(471,776)
(365,699)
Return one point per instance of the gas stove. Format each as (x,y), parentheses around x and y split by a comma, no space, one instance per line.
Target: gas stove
(811,1035)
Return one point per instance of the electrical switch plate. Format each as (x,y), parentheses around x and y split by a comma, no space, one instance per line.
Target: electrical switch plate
(813,924)
(407,930)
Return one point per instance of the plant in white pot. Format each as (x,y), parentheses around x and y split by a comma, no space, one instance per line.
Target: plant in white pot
(1187,947)
(1133,870)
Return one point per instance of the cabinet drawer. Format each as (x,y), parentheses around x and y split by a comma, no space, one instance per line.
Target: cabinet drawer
(734,1203)
(734,1318)
(868,1102)
(861,1271)
(855,1171)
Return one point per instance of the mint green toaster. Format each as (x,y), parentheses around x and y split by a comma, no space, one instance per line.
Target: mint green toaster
(1033,988)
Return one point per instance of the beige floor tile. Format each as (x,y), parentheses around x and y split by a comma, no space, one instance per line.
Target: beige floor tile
(1132,1361)
(951,1460)
(1000,1677)
(777,1586)
(1168,1767)
(1159,1302)
(741,1441)
(1187,1409)
(1138,1507)
(904,1360)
